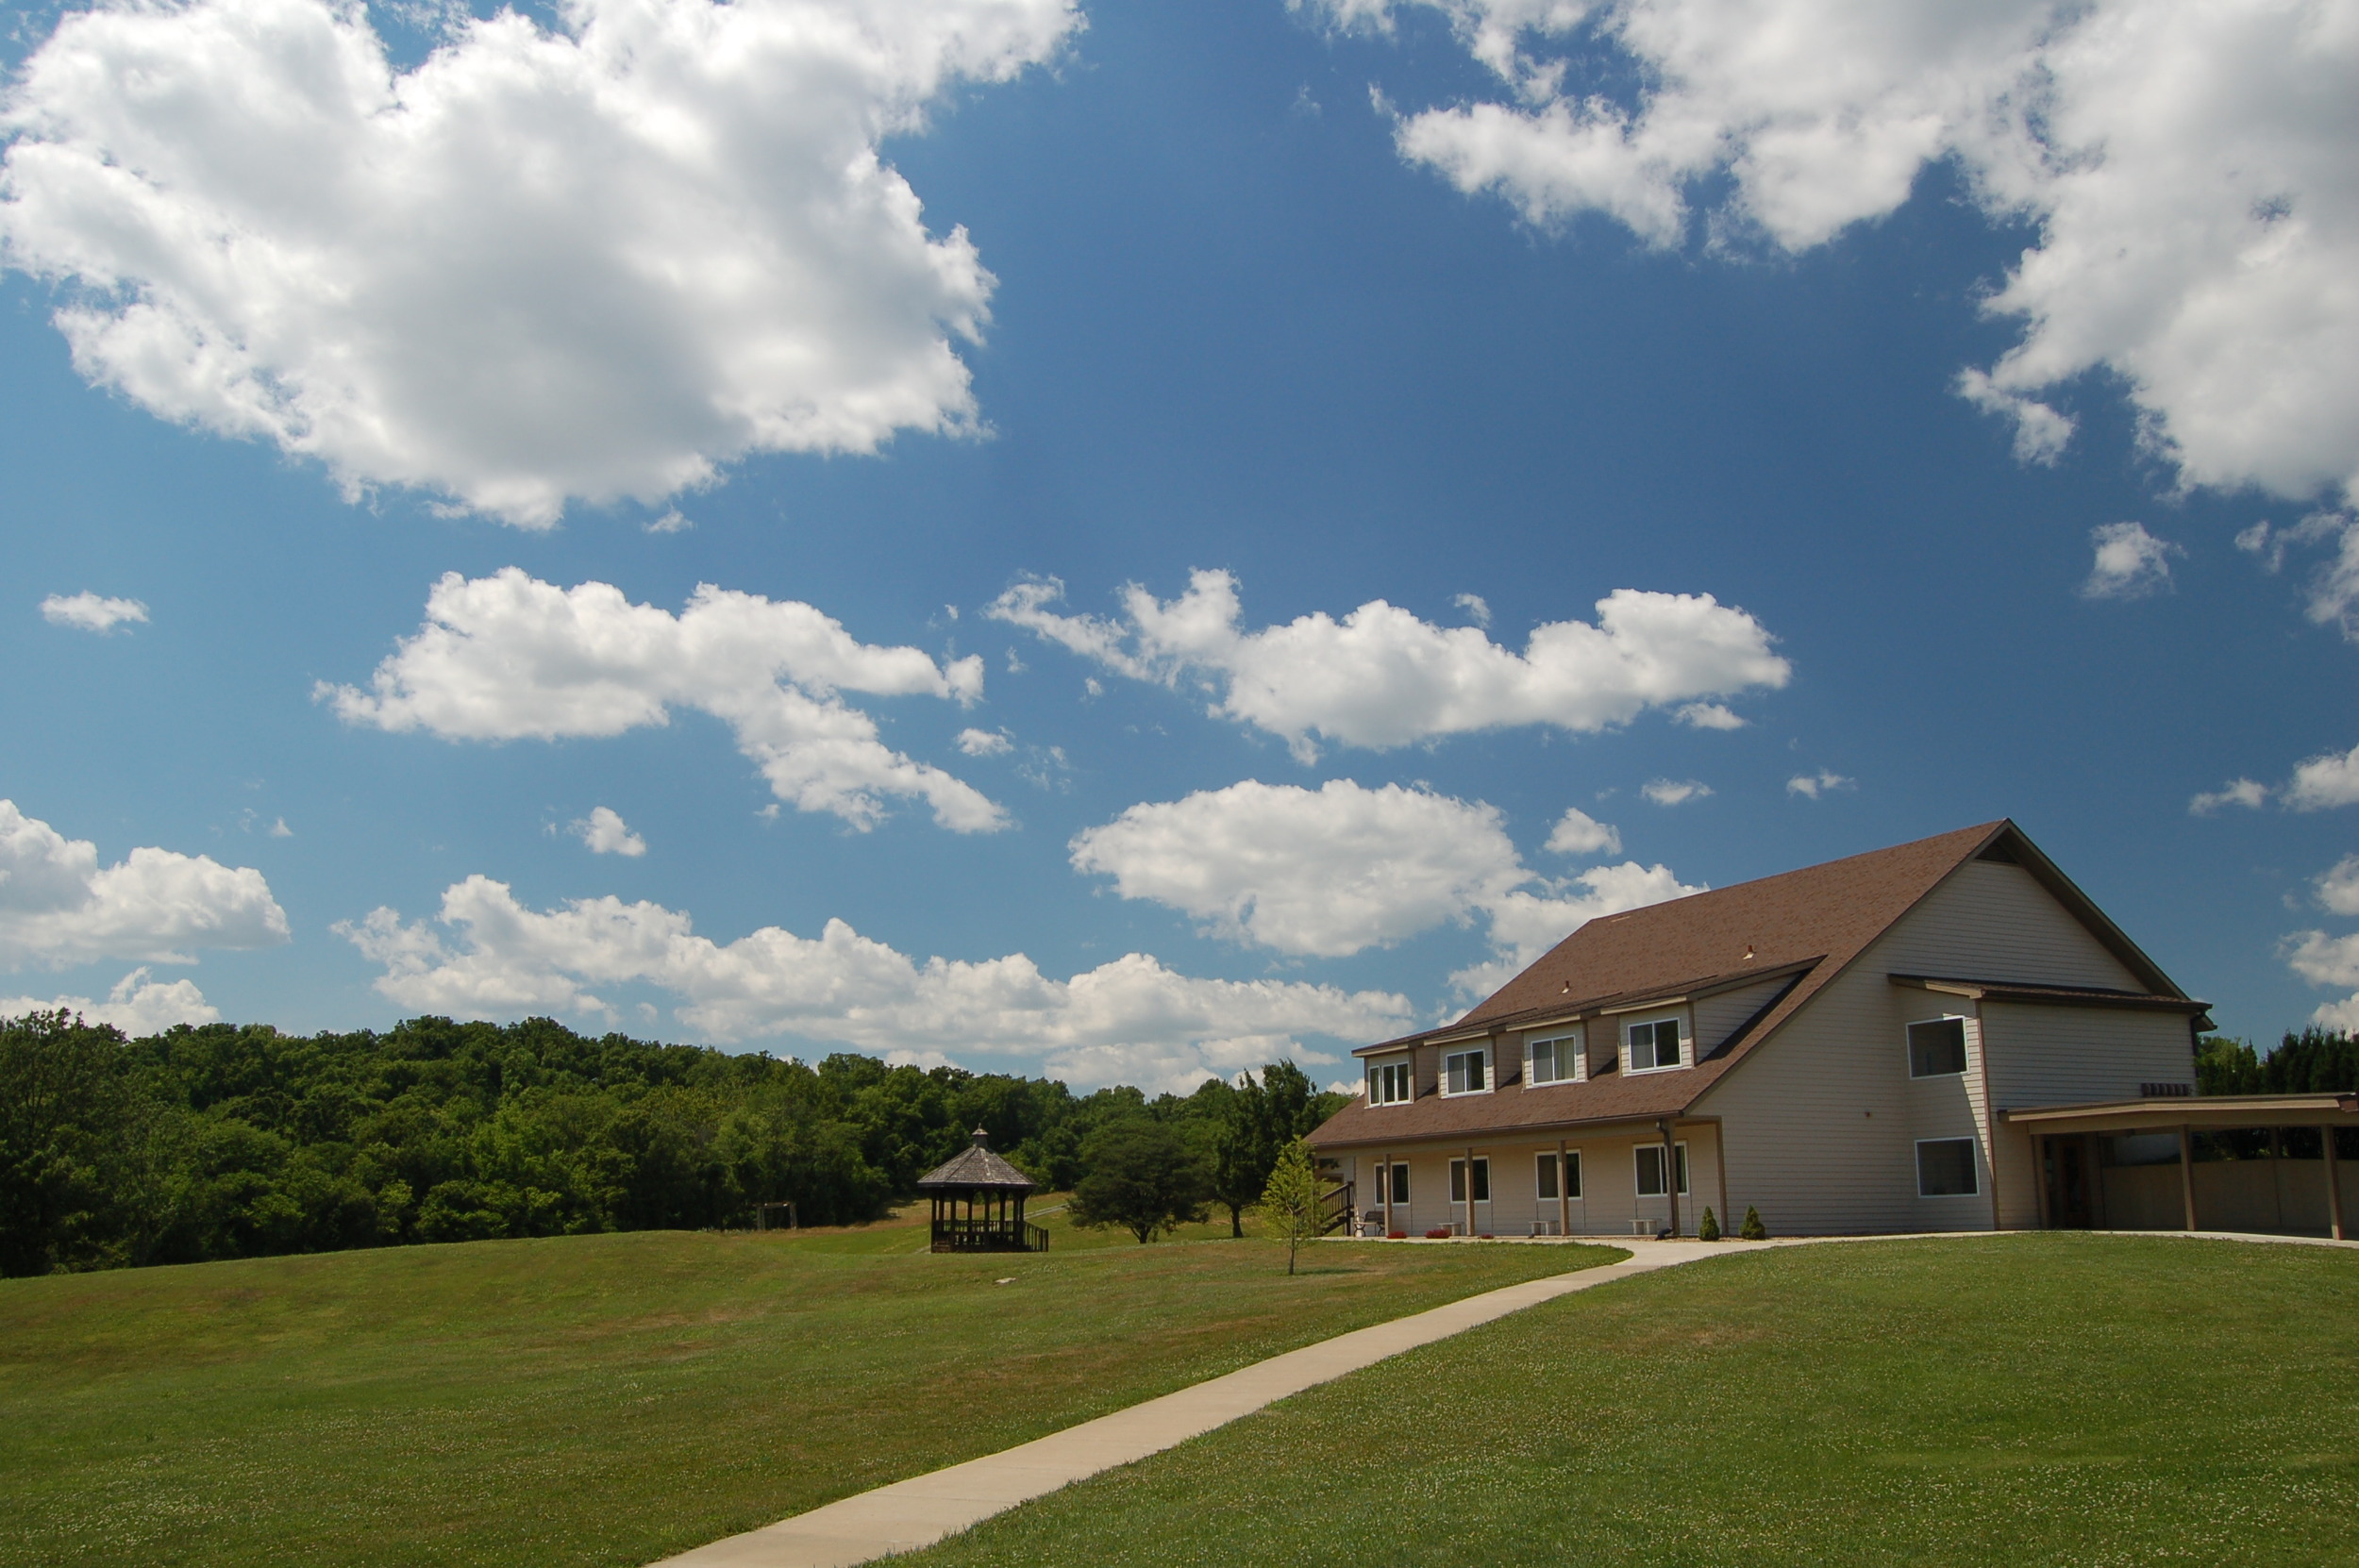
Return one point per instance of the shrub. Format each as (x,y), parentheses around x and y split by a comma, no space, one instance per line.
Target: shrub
(1707,1229)
(1753,1229)
(1439,1233)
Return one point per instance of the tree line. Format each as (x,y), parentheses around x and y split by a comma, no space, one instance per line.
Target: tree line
(2315,1061)
(221,1140)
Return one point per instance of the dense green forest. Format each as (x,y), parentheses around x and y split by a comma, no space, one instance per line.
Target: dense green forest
(227,1141)
(2316,1061)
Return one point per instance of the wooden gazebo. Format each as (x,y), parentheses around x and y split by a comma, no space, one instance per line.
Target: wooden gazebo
(979,1203)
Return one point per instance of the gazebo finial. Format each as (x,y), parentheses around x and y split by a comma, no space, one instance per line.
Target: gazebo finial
(982,1138)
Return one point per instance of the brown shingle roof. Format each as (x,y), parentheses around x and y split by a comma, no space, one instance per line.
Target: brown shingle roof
(977,1167)
(1813,922)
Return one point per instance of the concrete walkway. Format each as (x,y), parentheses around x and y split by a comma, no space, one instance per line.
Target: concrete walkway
(916,1512)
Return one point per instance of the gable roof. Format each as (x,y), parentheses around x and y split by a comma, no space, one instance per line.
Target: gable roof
(1808,923)
(976,1167)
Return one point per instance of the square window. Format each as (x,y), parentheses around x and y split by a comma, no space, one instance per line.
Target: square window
(1654,1044)
(1650,1170)
(1555,1059)
(1936,1047)
(1388,1084)
(1945,1168)
(1465,1072)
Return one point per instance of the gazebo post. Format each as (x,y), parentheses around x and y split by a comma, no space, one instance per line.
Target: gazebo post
(2334,1185)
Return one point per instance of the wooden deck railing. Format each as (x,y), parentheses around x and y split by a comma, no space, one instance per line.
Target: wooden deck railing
(1336,1210)
(964,1235)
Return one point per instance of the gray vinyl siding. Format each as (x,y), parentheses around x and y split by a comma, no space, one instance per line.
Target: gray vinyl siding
(2069,1056)
(1819,1124)
(1720,1016)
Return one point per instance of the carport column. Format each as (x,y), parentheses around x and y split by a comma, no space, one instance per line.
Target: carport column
(2333,1185)
(2187,1175)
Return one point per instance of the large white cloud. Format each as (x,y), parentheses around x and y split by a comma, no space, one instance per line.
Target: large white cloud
(1129,1020)
(1342,868)
(59,906)
(1328,871)
(1382,677)
(139,1004)
(594,260)
(508,657)
(2187,164)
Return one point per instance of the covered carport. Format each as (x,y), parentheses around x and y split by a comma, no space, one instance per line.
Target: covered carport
(2286,1164)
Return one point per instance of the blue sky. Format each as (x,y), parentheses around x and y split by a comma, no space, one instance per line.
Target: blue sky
(1451,307)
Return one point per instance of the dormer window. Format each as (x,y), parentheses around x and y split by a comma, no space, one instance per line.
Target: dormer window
(1656,1044)
(1552,1059)
(1388,1082)
(1466,1071)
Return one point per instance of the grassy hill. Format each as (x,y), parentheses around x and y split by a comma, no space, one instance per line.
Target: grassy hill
(607,1399)
(2045,1398)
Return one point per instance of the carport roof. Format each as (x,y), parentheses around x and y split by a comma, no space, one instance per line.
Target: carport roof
(2202,1112)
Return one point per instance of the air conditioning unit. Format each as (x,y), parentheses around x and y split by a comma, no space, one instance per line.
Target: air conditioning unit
(1545,1227)
(1646,1227)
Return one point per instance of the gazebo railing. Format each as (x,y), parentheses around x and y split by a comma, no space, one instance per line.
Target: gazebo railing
(960,1234)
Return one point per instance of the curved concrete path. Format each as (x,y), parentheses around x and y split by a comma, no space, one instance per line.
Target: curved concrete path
(906,1515)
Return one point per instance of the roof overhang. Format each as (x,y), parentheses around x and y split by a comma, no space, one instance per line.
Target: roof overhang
(2054,997)
(1521,1132)
(2198,1113)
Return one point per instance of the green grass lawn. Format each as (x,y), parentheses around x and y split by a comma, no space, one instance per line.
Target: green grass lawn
(609,1399)
(2027,1399)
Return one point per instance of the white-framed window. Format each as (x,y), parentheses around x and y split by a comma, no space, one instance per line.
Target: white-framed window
(1482,1181)
(1399,1179)
(1388,1082)
(1656,1044)
(1937,1047)
(1945,1168)
(1551,1169)
(1467,1072)
(1650,1170)
(1552,1059)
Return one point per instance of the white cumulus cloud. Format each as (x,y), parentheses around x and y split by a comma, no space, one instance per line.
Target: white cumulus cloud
(985,743)
(1338,869)
(488,956)
(1812,785)
(2130,562)
(1579,833)
(138,1005)
(59,906)
(2338,886)
(2187,166)
(1709,715)
(1382,677)
(598,258)
(605,833)
(2250,793)
(88,611)
(508,657)
(1328,871)
(1675,791)
(2325,960)
(2325,781)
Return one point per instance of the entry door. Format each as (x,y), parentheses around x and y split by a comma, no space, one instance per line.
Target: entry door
(2069,1176)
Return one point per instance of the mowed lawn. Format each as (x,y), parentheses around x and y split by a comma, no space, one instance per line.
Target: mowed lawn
(609,1399)
(2026,1399)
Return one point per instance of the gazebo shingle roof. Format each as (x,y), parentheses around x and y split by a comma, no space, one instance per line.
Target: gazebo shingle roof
(978,1168)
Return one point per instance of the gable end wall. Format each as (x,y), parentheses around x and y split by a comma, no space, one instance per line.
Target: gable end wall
(1819,1124)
